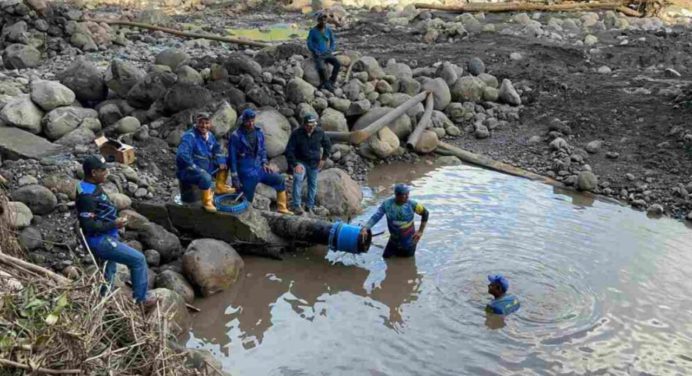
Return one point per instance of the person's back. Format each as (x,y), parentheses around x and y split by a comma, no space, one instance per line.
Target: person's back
(504,305)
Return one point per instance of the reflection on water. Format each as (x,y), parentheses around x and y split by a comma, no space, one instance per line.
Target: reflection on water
(603,291)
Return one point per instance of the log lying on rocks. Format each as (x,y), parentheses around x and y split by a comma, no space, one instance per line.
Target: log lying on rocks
(491,164)
(423,124)
(362,135)
(527,7)
(179,33)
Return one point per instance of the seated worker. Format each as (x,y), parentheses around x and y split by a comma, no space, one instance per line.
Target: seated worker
(322,44)
(99,221)
(306,152)
(247,159)
(400,211)
(198,157)
(503,303)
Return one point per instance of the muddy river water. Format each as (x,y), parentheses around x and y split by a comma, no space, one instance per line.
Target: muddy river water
(603,288)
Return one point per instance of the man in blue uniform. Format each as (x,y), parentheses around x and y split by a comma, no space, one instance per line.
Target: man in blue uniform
(306,152)
(403,237)
(198,158)
(99,221)
(247,159)
(503,303)
(322,44)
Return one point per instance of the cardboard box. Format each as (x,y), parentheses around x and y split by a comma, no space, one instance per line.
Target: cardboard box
(115,151)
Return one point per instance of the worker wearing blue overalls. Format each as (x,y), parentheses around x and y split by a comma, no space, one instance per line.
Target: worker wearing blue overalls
(322,44)
(198,157)
(247,159)
(400,211)
(99,221)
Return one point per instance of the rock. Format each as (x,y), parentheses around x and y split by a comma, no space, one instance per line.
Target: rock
(475,66)
(383,86)
(299,91)
(490,94)
(17,215)
(428,142)
(22,113)
(534,140)
(489,80)
(27,180)
(370,65)
(447,160)
(448,73)
(604,70)
(171,280)
(239,63)
(453,131)
(401,126)
(508,94)
(187,75)
(559,144)
(173,304)
(120,200)
(612,155)
(409,86)
(15,33)
(153,257)
(63,120)
(79,136)
(92,124)
(384,143)
(50,94)
(109,113)
(61,183)
(590,40)
(516,56)
(21,56)
(672,73)
(153,87)
(655,210)
(398,70)
(204,362)
(338,192)
(122,76)
(38,198)
(471,23)
(481,132)
(310,73)
(30,238)
(587,181)
(594,146)
(339,104)
(440,92)
(276,130)
(333,121)
(358,108)
(18,144)
(468,89)
(224,120)
(154,236)
(172,57)
(184,96)
(85,80)
(126,125)
(212,265)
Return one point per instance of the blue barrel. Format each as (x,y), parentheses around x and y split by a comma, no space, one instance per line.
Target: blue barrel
(227,203)
(346,238)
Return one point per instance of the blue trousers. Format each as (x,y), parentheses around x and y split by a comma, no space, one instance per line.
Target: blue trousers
(311,174)
(197,177)
(399,247)
(322,69)
(249,182)
(115,252)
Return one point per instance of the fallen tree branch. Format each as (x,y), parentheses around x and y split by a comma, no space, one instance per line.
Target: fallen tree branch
(178,33)
(524,7)
(629,12)
(40,370)
(423,124)
(9,260)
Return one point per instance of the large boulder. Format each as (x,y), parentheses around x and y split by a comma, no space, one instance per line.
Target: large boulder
(508,94)
(276,130)
(310,73)
(122,76)
(168,279)
(211,265)
(22,113)
(50,94)
(238,63)
(156,237)
(154,86)
(61,183)
(18,144)
(440,91)
(370,65)
(172,306)
(85,80)
(183,96)
(79,136)
(37,197)
(468,89)
(17,215)
(21,56)
(333,121)
(223,120)
(398,70)
(299,91)
(384,143)
(587,181)
(171,57)
(448,72)
(128,124)
(339,193)
(401,126)
(188,75)
(63,120)
(427,142)
(120,200)
(397,99)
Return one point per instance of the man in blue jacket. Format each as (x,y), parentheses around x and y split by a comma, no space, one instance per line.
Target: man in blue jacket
(502,303)
(99,221)
(247,159)
(198,158)
(306,152)
(322,44)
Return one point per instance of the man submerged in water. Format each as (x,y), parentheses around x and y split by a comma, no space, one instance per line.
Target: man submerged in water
(503,303)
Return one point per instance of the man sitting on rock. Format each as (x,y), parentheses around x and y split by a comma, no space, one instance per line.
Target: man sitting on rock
(322,44)
(306,152)
(247,158)
(98,218)
(198,157)
(403,237)
(503,303)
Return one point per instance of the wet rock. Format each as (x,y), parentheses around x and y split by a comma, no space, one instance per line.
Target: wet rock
(154,86)
(154,236)
(183,96)
(168,279)
(655,210)
(18,144)
(333,121)
(337,192)
(384,143)
(508,94)
(594,146)
(85,80)
(440,92)
(21,56)
(238,63)
(49,94)
(38,198)
(79,136)
(467,89)
(211,265)
(63,120)
(224,120)
(122,76)
(428,142)
(173,304)
(172,57)
(587,181)
(17,215)
(370,65)
(276,130)
(475,66)
(22,113)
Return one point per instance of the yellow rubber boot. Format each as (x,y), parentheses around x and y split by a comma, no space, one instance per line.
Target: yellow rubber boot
(221,188)
(282,203)
(208,201)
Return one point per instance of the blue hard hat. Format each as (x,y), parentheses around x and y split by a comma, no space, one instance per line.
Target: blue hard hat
(248,113)
(401,189)
(499,279)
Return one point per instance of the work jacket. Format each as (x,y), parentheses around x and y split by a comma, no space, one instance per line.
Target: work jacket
(242,159)
(194,152)
(321,41)
(305,149)
(400,218)
(96,213)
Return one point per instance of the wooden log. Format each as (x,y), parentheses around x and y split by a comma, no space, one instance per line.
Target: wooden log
(491,164)
(178,33)
(629,12)
(9,260)
(423,124)
(521,7)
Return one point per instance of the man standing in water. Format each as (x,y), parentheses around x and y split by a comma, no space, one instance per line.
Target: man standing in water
(403,237)
(503,303)
(322,44)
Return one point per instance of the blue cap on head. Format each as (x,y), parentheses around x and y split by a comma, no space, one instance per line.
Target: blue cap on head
(401,189)
(248,113)
(310,118)
(501,280)
(319,14)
